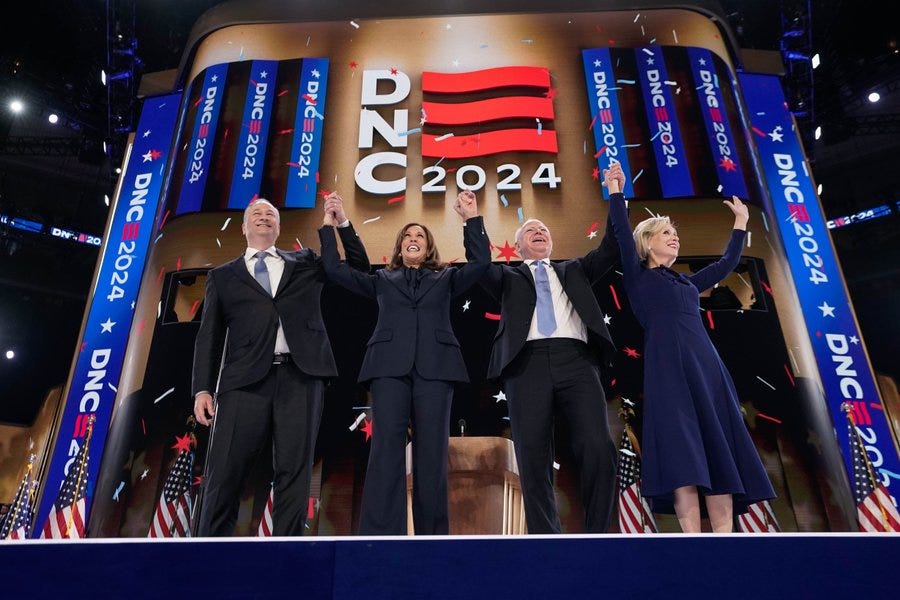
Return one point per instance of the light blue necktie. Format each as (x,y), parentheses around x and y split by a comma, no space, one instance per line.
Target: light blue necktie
(546,319)
(261,272)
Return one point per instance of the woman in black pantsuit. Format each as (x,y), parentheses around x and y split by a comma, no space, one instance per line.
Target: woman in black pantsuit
(411,365)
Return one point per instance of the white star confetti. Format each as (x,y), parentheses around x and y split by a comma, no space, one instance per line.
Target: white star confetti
(500,396)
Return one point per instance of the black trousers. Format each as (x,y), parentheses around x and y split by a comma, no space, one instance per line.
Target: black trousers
(398,403)
(558,376)
(284,409)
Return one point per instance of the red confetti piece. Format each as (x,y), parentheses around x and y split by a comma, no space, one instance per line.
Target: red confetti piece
(198,479)
(396,199)
(454,168)
(252,84)
(324,193)
(317,177)
(197,103)
(293,164)
(194,308)
(367,429)
(600,151)
(595,174)
(165,216)
(311,508)
(790,377)
(141,325)
(758,132)
(284,131)
(592,228)
(709,318)
(282,93)
(225,135)
(183,443)
(178,264)
(764,416)
(394,71)
(876,406)
(83,344)
(384,260)
(613,383)
(353,64)
(162,271)
(594,120)
(144,426)
(766,287)
(297,247)
(253,199)
(631,352)
(492,316)
(309,99)
(614,296)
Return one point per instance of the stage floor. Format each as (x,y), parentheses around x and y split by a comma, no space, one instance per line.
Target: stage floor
(496,567)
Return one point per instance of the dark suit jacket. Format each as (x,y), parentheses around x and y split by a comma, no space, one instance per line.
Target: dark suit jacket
(236,303)
(513,287)
(412,328)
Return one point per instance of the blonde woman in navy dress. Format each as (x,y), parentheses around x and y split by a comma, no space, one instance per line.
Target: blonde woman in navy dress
(695,443)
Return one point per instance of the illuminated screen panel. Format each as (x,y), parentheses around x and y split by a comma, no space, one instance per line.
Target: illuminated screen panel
(524,109)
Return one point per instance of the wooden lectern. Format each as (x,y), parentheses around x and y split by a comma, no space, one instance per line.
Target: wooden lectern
(483,487)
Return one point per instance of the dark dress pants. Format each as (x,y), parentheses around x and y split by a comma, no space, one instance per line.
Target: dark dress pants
(398,403)
(284,409)
(558,376)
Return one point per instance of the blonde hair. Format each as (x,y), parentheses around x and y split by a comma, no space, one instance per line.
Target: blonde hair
(645,230)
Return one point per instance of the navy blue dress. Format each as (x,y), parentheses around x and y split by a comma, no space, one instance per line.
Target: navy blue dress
(693,430)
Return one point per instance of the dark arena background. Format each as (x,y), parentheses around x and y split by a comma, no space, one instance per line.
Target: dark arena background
(397,106)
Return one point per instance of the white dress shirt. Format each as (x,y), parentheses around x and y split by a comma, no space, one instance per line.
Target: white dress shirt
(568,323)
(275,265)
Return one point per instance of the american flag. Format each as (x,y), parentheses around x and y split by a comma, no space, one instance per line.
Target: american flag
(634,512)
(265,522)
(874,505)
(173,511)
(759,518)
(17,522)
(67,518)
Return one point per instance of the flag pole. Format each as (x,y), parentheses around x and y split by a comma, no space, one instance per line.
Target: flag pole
(80,478)
(195,509)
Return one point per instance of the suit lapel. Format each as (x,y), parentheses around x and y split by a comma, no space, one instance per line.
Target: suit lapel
(427,282)
(526,270)
(398,278)
(289,263)
(239,268)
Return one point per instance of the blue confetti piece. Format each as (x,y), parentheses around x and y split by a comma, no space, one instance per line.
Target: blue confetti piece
(319,115)
(656,135)
(410,132)
(521,215)
(503,200)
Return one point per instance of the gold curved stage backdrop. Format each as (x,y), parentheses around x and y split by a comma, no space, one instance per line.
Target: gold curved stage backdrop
(398,114)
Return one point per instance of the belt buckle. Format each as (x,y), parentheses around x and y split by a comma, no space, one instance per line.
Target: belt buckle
(280,359)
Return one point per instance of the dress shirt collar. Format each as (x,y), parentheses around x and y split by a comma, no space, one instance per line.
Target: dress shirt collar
(250,253)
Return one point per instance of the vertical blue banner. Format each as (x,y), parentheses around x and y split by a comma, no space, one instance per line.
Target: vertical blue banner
(843,365)
(665,135)
(201,144)
(251,150)
(606,118)
(718,129)
(309,122)
(92,390)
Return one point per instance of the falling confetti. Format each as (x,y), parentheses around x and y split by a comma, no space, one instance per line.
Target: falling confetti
(766,383)
(709,317)
(492,316)
(540,126)
(615,296)
(355,24)
(396,199)
(521,215)
(166,393)
(410,131)
(372,220)
(441,138)
(501,395)
(767,417)
(503,200)
(359,419)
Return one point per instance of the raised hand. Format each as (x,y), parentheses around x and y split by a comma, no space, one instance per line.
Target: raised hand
(466,205)
(334,208)
(740,210)
(614,178)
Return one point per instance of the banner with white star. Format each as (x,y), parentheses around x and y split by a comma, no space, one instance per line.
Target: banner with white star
(247,174)
(95,378)
(843,364)
(309,121)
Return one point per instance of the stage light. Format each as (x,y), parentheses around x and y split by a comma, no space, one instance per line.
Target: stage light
(53,118)
(10,355)
(17,106)
(816,61)
(107,79)
(818,133)
(874,97)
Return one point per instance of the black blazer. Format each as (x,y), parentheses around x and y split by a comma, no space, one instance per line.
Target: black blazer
(513,287)
(236,303)
(412,329)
